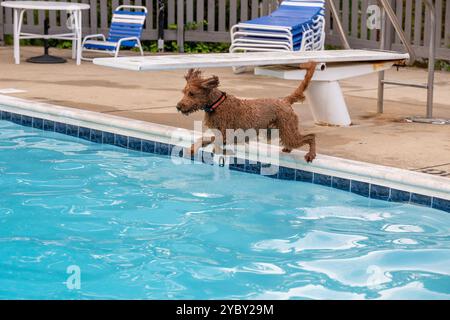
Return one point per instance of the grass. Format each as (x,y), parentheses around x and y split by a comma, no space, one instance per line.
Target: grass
(147,45)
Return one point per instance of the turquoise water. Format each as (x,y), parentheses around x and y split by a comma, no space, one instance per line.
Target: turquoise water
(138,226)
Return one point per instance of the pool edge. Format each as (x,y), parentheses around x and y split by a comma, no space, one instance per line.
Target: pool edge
(366,179)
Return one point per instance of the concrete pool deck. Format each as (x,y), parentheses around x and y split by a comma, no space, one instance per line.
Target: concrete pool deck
(380,139)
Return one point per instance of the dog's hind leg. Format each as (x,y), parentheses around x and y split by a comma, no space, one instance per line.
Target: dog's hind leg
(290,135)
(308,139)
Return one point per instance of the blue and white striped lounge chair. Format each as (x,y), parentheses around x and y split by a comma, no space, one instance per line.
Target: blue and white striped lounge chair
(297,25)
(125,31)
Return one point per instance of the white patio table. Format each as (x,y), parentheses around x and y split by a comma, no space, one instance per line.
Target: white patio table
(74,9)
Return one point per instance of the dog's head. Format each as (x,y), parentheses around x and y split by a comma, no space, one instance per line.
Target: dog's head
(198,92)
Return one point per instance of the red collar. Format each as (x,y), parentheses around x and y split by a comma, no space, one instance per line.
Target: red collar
(216,104)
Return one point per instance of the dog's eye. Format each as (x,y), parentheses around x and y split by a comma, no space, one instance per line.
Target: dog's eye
(190,94)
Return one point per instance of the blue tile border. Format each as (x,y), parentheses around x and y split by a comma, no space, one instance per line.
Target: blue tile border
(84,133)
(135,144)
(400,196)
(285,173)
(361,188)
(322,179)
(27,121)
(16,118)
(5,115)
(96,136)
(49,125)
(72,130)
(121,141)
(148,146)
(441,204)
(37,123)
(365,189)
(421,199)
(379,192)
(341,183)
(108,138)
(60,127)
(163,148)
(304,176)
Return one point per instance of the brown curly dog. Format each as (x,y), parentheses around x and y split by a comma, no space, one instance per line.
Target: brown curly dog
(224,111)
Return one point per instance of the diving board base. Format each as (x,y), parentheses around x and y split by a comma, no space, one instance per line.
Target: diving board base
(327,103)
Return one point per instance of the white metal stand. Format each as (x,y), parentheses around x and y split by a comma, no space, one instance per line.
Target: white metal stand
(429,86)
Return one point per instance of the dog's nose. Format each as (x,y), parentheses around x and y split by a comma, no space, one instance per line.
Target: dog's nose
(178,107)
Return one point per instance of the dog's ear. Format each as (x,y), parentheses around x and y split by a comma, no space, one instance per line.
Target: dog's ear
(193,73)
(210,83)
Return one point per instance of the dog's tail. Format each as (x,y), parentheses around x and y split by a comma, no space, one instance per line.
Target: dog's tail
(298,95)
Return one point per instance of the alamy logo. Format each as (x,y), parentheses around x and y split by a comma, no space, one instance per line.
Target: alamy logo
(232,145)
(374,17)
(377,276)
(74,280)
(70,22)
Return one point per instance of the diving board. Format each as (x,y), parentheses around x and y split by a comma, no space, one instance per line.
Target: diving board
(217,60)
(324,94)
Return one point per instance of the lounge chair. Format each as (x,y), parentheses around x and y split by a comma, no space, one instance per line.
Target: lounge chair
(297,25)
(126,28)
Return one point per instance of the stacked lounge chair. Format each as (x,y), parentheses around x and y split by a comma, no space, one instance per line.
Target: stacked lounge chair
(297,25)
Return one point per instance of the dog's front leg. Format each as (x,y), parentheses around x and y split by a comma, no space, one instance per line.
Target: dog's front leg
(201,143)
(220,142)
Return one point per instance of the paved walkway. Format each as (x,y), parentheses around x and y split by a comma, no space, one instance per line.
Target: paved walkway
(382,139)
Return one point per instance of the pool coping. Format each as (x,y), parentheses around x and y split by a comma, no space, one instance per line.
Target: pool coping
(366,179)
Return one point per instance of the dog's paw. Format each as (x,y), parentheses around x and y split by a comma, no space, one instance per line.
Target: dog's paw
(310,156)
(287,150)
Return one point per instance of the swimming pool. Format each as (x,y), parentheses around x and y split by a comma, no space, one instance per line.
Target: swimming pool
(138,226)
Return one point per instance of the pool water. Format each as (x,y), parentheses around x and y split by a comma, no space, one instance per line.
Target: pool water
(138,226)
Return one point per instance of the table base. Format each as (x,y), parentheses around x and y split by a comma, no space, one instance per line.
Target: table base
(46,58)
